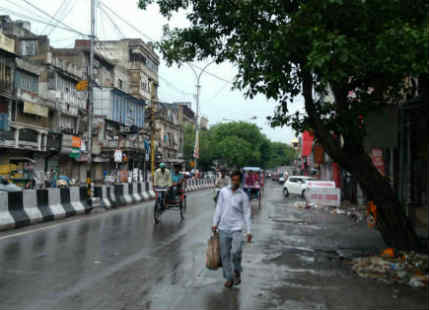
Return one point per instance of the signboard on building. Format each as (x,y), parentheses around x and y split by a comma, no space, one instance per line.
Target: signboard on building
(123,176)
(7,43)
(36,109)
(117,156)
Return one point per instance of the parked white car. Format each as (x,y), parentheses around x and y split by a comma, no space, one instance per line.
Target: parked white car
(295,185)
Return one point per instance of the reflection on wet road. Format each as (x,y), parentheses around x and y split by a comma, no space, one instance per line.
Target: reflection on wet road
(120,259)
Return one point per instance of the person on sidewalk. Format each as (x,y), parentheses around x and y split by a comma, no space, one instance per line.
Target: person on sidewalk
(232,212)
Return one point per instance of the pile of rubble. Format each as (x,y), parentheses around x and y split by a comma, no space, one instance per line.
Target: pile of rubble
(356,213)
(407,268)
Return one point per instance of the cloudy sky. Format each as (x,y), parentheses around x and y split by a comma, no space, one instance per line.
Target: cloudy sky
(118,19)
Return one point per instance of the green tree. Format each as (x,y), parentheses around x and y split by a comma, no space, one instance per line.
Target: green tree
(260,145)
(281,155)
(302,46)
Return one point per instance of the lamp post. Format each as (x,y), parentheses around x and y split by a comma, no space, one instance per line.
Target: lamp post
(198,85)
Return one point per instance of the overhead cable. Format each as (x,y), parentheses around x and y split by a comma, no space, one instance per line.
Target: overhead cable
(55,15)
(41,21)
(53,18)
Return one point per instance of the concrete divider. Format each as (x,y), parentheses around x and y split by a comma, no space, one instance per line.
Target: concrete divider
(75,202)
(16,209)
(43,205)
(66,202)
(6,219)
(112,196)
(31,208)
(141,190)
(145,188)
(119,193)
(101,193)
(127,196)
(136,193)
(150,191)
(84,199)
(55,203)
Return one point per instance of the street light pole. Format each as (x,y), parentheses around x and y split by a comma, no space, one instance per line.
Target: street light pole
(90,98)
(197,125)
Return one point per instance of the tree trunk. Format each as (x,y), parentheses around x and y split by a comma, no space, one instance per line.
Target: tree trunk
(392,222)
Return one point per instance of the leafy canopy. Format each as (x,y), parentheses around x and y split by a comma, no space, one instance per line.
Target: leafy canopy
(365,46)
(236,144)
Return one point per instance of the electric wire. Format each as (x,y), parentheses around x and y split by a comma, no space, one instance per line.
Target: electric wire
(121,34)
(31,18)
(217,93)
(21,8)
(55,15)
(69,8)
(52,18)
(150,39)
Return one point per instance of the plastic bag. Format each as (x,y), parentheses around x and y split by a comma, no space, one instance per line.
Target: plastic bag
(213,259)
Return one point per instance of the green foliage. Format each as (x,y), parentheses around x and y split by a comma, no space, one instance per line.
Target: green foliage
(236,144)
(347,44)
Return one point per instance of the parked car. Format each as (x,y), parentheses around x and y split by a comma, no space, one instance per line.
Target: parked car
(6,186)
(295,185)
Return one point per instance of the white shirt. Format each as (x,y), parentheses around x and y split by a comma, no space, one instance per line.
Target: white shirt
(162,179)
(232,210)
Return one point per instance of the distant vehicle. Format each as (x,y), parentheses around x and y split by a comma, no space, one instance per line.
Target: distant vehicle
(281,180)
(275,177)
(296,185)
(6,186)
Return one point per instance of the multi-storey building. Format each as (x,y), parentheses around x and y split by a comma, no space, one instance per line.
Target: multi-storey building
(47,112)
(169,132)
(138,57)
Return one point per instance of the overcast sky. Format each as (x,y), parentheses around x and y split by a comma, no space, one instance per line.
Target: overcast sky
(217,101)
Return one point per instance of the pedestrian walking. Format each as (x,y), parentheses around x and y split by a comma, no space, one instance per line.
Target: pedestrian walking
(222,180)
(232,213)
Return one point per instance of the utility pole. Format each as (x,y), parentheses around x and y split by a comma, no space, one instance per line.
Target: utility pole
(197,124)
(153,128)
(90,98)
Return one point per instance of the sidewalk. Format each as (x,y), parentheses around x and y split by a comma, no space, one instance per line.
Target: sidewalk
(305,261)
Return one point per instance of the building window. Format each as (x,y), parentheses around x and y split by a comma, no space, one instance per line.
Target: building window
(29,48)
(5,76)
(120,83)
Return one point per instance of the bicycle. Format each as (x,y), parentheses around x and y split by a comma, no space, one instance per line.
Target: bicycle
(168,199)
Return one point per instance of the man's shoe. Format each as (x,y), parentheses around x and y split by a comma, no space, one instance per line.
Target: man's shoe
(237,278)
(228,284)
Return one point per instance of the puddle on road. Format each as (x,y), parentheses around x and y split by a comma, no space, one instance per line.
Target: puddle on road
(292,220)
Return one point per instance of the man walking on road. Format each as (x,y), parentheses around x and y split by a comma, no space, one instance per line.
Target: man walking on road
(232,212)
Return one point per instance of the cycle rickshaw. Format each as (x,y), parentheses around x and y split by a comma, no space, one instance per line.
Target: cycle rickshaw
(173,198)
(254,183)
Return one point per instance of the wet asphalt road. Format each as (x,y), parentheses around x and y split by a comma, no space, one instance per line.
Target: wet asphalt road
(121,260)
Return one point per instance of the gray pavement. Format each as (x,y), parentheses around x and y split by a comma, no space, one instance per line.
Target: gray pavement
(121,260)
